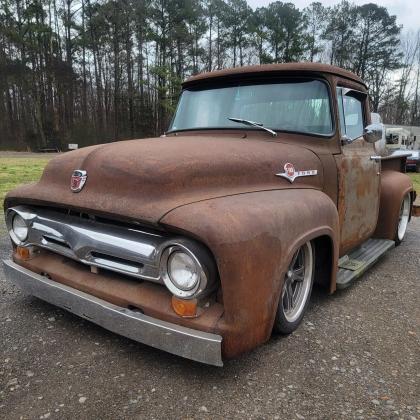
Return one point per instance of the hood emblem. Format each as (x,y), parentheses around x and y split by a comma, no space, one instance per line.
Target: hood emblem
(78,180)
(290,173)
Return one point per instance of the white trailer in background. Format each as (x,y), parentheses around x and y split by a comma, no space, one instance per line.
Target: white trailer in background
(402,137)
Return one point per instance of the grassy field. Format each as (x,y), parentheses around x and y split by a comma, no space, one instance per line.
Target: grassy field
(416,182)
(15,170)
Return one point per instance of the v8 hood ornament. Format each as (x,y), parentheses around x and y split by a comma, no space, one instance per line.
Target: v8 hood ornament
(290,173)
(78,180)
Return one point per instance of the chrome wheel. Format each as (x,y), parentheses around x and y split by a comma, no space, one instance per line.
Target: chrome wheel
(404,217)
(297,284)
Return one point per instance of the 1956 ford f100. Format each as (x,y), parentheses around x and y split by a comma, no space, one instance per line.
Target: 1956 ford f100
(204,241)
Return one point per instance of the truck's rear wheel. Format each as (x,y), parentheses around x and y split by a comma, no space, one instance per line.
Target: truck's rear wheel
(297,287)
(403,219)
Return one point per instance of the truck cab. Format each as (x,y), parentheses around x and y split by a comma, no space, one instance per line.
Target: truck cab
(206,240)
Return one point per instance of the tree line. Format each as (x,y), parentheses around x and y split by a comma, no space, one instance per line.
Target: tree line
(91,71)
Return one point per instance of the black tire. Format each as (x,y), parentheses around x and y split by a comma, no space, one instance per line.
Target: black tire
(289,316)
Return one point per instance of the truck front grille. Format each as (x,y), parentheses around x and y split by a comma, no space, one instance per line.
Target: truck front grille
(123,249)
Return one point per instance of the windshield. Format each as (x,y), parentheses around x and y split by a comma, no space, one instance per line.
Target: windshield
(299,106)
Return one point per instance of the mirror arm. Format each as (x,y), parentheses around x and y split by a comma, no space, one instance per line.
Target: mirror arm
(345,139)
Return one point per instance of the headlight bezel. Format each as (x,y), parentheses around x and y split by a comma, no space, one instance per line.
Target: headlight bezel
(11,216)
(203,269)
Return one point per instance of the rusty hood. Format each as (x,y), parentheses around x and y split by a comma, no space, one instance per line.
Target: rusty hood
(144,179)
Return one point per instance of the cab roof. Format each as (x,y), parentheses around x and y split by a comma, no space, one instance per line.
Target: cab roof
(273,69)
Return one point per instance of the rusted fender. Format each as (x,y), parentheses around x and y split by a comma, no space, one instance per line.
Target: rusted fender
(394,186)
(253,238)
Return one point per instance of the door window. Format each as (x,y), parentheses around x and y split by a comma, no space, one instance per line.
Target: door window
(351,113)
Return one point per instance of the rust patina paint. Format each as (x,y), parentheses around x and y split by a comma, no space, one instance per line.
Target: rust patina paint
(273,69)
(144,179)
(219,187)
(359,194)
(253,246)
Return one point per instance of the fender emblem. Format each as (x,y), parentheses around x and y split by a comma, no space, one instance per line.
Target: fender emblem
(290,173)
(78,180)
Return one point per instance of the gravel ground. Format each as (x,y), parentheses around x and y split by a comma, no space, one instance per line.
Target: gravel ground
(355,356)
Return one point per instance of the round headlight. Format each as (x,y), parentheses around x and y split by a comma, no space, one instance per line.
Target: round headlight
(183,270)
(19,228)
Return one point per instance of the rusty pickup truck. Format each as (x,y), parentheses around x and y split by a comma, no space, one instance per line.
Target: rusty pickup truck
(206,240)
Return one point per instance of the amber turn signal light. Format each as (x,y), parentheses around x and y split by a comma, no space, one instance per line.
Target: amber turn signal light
(23,253)
(184,308)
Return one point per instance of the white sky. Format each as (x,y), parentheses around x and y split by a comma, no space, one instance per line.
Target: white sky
(407,11)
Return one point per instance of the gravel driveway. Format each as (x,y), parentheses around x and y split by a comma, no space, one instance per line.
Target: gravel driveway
(357,355)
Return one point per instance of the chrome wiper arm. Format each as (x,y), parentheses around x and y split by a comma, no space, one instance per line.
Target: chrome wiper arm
(253,124)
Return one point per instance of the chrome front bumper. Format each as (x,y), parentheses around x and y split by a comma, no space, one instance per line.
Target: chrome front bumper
(186,342)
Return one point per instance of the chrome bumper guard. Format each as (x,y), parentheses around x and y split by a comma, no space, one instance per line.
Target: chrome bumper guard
(192,344)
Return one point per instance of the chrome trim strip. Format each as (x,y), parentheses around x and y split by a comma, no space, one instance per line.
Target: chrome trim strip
(185,342)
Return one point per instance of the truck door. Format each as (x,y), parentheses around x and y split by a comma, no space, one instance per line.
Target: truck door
(358,173)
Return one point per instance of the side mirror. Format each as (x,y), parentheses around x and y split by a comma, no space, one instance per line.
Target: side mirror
(373,133)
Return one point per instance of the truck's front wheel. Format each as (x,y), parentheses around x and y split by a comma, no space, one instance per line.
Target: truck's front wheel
(296,291)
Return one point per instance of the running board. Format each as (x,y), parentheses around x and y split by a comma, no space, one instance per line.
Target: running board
(354,264)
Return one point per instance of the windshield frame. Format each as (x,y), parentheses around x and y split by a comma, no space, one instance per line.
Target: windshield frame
(250,81)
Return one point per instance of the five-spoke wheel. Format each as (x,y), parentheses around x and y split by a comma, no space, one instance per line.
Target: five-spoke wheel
(297,287)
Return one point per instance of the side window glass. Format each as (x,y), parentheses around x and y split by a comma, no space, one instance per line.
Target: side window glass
(351,115)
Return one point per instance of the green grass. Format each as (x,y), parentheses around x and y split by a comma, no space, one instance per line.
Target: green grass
(416,182)
(19,170)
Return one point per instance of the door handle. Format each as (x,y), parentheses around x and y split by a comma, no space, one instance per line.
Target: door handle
(376,158)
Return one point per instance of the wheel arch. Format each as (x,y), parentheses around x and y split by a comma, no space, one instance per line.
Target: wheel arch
(325,256)
(325,260)
(325,272)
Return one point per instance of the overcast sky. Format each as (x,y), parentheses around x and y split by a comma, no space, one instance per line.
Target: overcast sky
(407,11)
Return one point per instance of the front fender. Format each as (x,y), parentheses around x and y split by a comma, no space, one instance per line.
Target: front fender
(253,237)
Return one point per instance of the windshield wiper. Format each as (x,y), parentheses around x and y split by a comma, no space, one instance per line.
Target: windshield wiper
(253,124)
